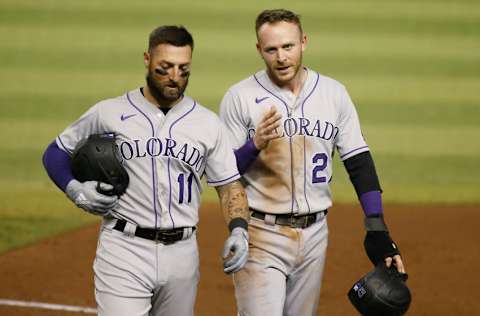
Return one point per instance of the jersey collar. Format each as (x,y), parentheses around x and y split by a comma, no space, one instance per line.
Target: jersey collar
(151,109)
(286,96)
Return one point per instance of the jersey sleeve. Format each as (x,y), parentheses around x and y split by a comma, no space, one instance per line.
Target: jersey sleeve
(87,124)
(231,116)
(221,166)
(349,140)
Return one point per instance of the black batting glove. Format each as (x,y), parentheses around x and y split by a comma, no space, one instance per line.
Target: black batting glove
(378,243)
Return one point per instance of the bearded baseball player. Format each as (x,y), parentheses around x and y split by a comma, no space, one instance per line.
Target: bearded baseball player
(285,123)
(147,257)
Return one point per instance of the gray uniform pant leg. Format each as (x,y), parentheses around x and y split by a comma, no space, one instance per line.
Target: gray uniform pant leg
(284,270)
(140,277)
(304,282)
(177,296)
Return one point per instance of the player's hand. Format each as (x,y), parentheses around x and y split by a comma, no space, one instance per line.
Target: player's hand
(235,250)
(380,247)
(397,262)
(267,129)
(86,196)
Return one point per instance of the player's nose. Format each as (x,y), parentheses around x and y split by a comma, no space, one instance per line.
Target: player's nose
(281,56)
(174,75)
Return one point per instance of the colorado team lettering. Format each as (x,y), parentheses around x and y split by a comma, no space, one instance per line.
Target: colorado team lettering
(304,127)
(154,147)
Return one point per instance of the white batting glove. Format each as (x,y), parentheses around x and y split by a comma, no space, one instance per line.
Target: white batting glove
(85,196)
(235,250)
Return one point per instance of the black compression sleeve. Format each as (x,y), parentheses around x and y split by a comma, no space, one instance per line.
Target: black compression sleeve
(363,175)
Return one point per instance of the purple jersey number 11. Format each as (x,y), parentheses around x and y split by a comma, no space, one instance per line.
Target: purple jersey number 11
(181,185)
(320,160)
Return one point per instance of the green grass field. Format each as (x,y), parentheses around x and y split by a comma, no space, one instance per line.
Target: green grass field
(412,68)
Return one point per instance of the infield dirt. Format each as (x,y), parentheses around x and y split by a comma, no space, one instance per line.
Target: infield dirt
(440,246)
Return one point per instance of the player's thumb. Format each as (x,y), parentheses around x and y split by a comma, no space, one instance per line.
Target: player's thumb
(105,186)
(226,249)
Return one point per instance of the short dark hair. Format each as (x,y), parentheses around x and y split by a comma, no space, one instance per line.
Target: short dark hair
(170,34)
(277,15)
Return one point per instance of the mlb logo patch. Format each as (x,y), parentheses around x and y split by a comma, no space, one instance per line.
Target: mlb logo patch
(358,288)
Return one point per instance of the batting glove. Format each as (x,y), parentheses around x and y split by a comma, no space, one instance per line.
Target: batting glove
(237,244)
(86,196)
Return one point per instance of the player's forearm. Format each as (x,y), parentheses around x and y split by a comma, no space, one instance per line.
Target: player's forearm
(246,155)
(233,200)
(378,243)
(363,175)
(57,165)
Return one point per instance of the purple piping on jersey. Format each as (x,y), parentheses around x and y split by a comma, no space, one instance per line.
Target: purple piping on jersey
(304,150)
(351,151)
(294,198)
(289,139)
(63,145)
(170,193)
(168,164)
(154,171)
(212,182)
(284,103)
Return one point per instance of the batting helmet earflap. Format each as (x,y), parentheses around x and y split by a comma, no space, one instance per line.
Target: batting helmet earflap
(381,292)
(96,158)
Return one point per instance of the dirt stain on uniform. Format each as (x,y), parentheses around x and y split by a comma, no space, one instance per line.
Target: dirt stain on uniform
(272,170)
(298,153)
(289,232)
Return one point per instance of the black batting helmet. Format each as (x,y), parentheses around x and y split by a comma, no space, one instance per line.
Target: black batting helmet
(97,158)
(381,292)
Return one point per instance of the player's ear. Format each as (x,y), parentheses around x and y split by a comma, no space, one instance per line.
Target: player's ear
(259,50)
(304,41)
(146,59)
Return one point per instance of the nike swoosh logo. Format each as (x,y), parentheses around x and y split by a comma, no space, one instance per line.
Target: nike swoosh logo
(258,100)
(126,117)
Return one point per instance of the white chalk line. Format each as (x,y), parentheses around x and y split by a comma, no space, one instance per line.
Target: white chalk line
(58,307)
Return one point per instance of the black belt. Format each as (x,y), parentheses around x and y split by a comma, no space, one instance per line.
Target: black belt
(164,236)
(292,220)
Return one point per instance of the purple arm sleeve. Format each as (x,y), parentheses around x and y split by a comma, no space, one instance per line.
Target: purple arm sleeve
(246,155)
(57,164)
(372,203)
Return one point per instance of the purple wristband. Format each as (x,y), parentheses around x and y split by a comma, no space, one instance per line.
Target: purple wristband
(57,165)
(371,203)
(246,155)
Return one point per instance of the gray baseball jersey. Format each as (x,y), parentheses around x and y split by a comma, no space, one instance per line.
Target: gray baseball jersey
(293,173)
(164,155)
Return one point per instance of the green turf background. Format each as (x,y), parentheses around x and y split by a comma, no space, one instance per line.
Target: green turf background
(412,68)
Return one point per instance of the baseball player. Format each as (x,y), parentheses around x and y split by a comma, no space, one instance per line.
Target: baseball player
(285,123)
(147,257)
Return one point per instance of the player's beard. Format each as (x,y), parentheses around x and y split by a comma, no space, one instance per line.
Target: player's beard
(159,90)
(282,80)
